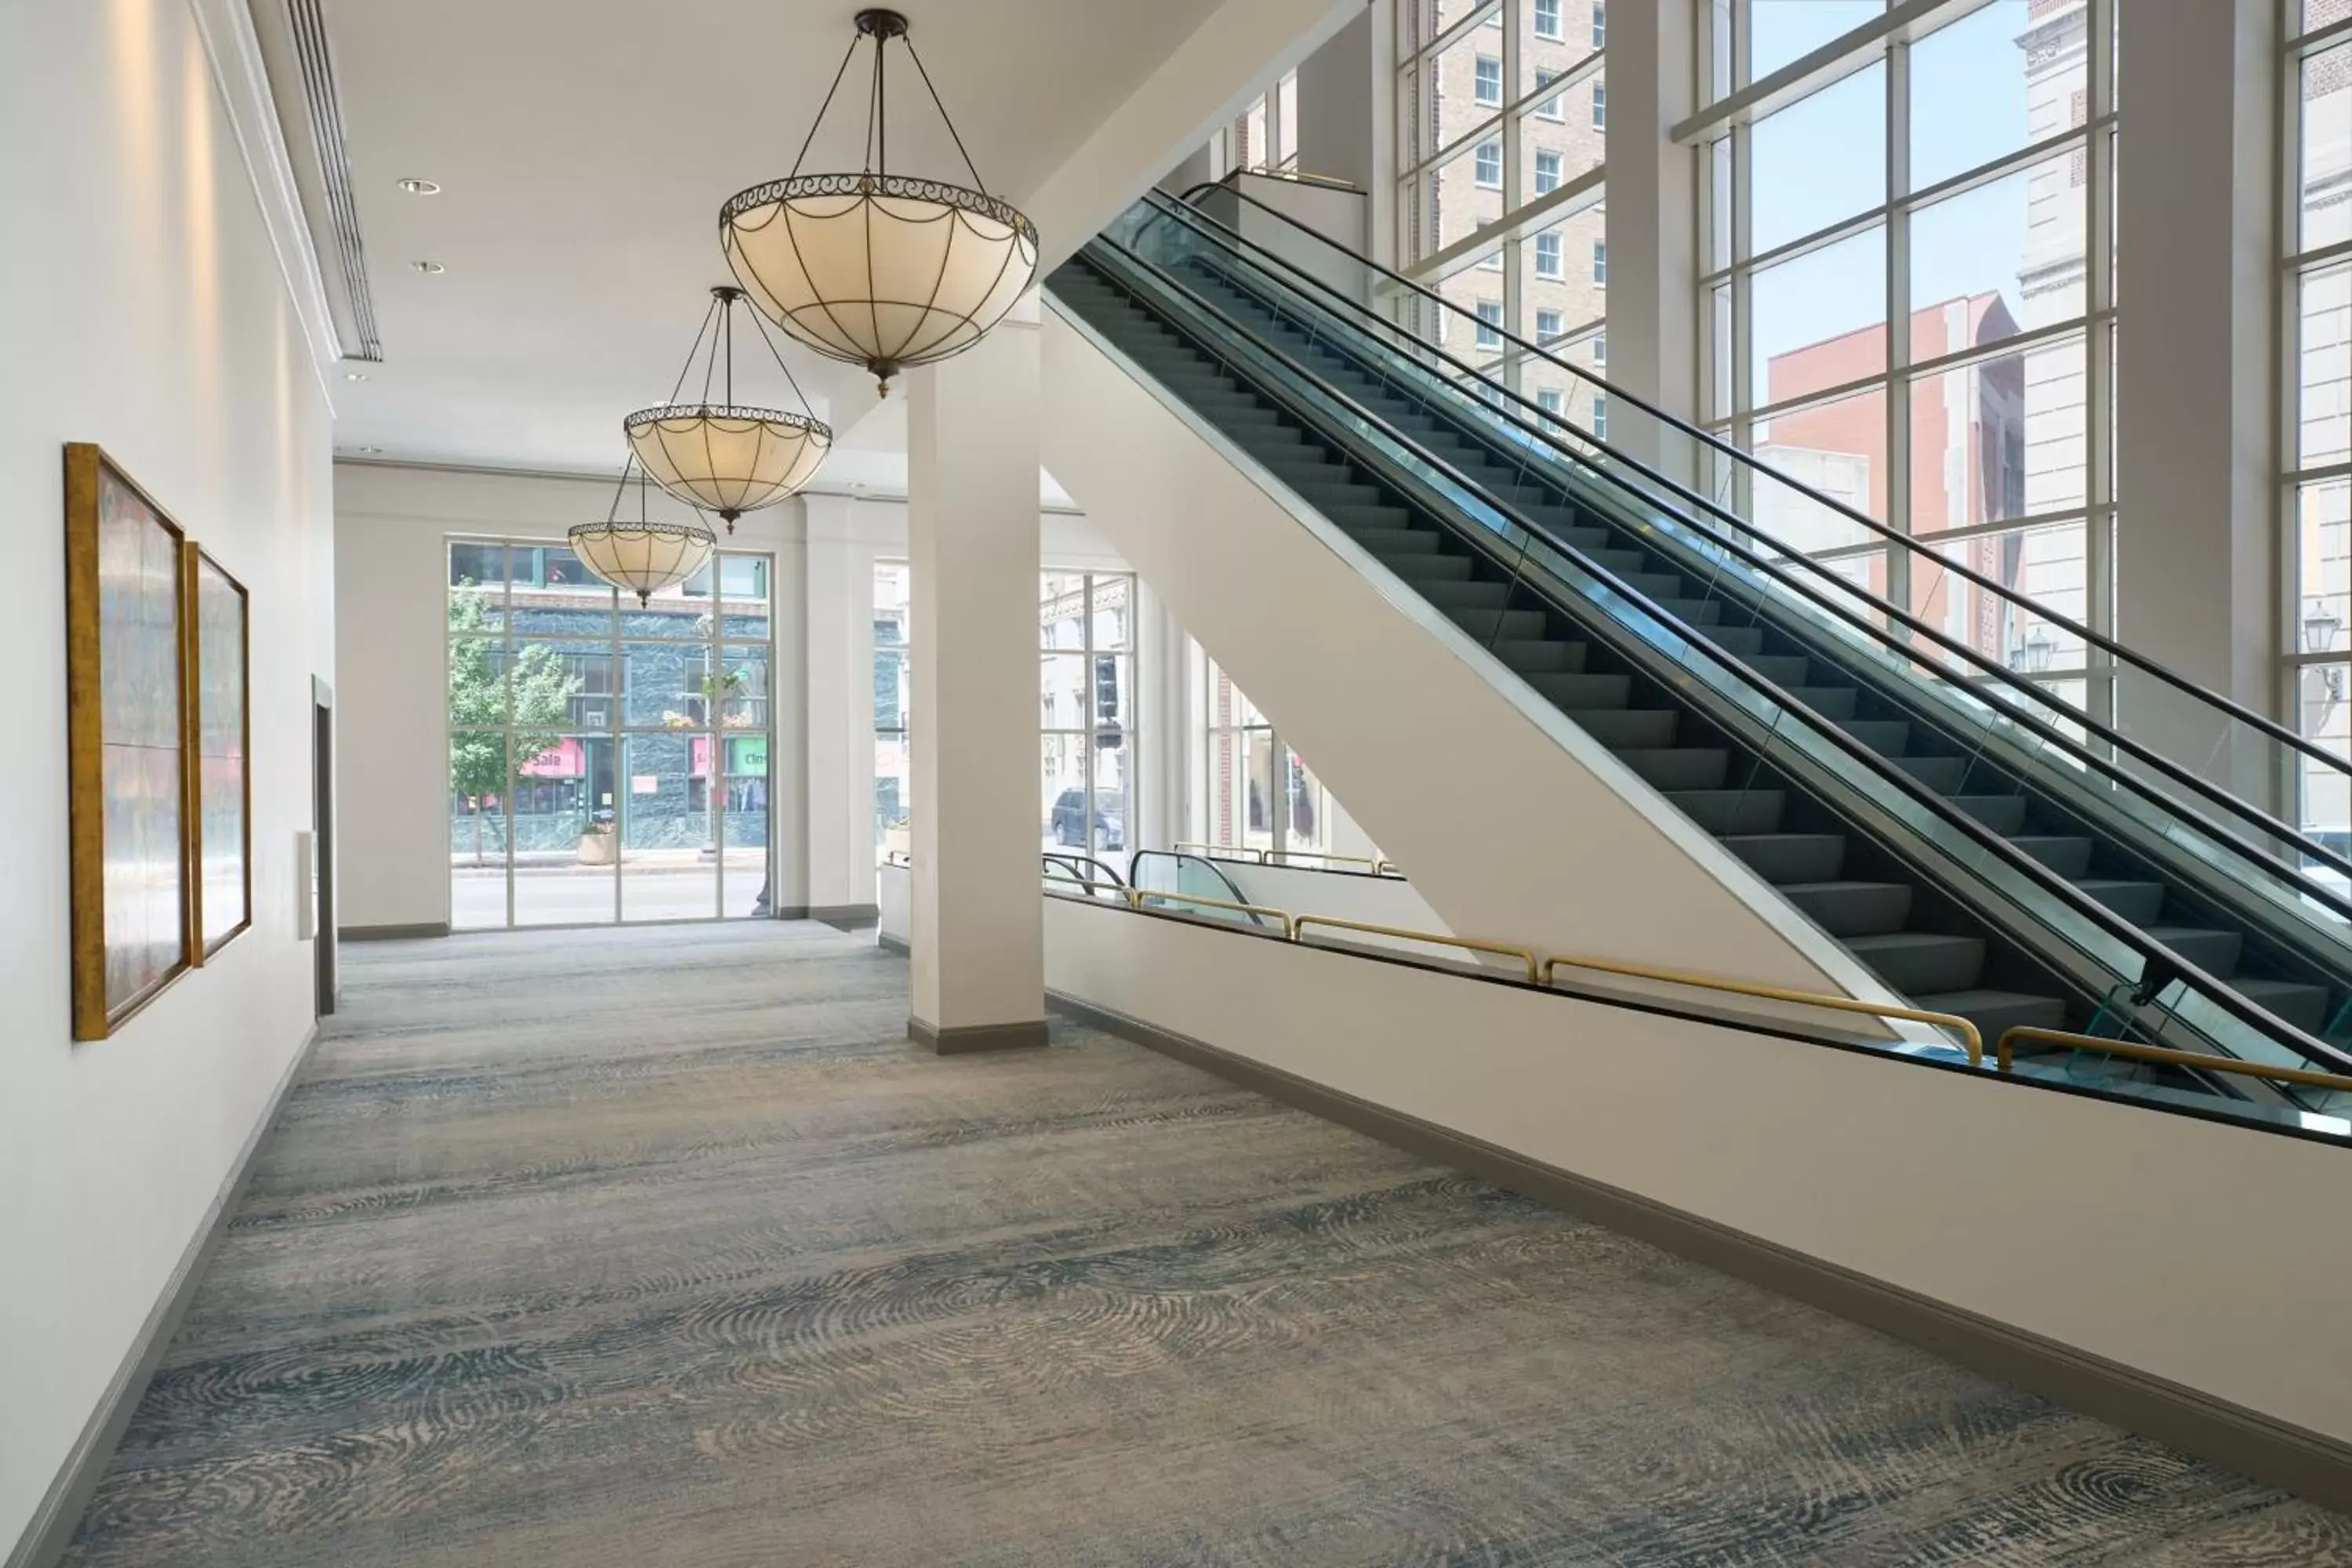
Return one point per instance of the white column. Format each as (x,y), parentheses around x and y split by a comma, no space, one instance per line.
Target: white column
(837,847)
(2196,406)
(1653,307)
(978,934)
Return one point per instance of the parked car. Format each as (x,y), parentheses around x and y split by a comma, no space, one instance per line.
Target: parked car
(1067,825)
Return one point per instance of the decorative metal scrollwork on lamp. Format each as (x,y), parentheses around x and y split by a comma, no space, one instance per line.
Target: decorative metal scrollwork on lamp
(875,268)
(645,556)
(716,456)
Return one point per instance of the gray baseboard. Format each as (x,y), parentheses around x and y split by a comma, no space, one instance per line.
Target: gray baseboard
(52,1530)
(897,944)
(847,916)
(391,934)
(2295,1459)
(961,1039)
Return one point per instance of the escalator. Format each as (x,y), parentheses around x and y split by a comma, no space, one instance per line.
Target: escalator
(1984,848)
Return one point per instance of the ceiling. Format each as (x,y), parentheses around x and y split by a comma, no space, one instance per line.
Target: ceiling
(584,148)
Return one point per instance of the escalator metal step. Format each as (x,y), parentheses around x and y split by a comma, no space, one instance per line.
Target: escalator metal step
(1628,726)
(1724,812)
(1679,767)
(1853,909)
(1919,962)
(1994,1011)
(1784,857)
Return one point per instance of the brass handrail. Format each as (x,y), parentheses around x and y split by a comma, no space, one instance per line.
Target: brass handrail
(1953,1021)
(1235,850)
(1319,855)
(2006,1049)
(1135,897)
(1475,944)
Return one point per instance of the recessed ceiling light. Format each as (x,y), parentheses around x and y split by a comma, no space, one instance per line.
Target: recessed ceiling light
(432,266)
(420,188)
(353,376)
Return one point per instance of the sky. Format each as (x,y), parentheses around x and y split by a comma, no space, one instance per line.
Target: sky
(1823,158)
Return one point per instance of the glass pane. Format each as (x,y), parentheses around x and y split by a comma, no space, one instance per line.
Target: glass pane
(890,689)
(681,610)
(2056,376)
(1972,253)
(1062,691)
(2324,377)
(2321,692)
(1820,159)
(2322,576)
(1114,610)
(1968,445)
(1558,286)
(1113,691)
(479,829)
(1783,30)
(1968,93)
(557,686)
(743,588)
(1309,827)
(1062,610)
(1838,450)
(893,770)
(1112,758)
(2043,564)
(893,602)
(555,595)
(1240,785)
(1063,793)
(743,826)
(668,860)
(1459,202)
(1562,137)
(564,842)
(477,680)
(663,684)
(478,575)
(1819,320)
(2327,148)
(738,696)
(1227,705)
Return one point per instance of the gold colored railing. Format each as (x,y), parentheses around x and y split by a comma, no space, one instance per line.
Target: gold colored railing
(1952,1021)
(2005,1054)
(1274,856)
(1298,923)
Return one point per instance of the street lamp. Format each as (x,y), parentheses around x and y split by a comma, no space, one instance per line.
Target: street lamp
(2320,625)
(2031,654)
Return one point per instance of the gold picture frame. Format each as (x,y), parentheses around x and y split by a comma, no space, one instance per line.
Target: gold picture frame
(127,703)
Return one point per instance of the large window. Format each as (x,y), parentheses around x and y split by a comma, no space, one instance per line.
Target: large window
(2318,447)
(1908,296)
(893,653)
(1265,135)
(1256,793)
(1499,113)
(607,761)
(1086,719)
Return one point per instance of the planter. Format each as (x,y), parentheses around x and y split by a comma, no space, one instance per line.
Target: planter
(599,848)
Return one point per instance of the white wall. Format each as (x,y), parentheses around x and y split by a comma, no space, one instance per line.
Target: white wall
(143,308)
(393,525)
(2119,1231)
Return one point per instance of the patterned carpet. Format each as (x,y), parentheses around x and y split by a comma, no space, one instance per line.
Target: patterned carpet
(664,1247)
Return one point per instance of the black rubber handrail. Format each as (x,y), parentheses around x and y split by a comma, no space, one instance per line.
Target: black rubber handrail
(2157,959)
(2216,700)
(1076,865)
(1775,570)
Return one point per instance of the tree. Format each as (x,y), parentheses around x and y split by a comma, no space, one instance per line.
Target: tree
(539,685)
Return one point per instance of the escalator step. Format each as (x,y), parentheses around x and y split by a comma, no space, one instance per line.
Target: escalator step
(1466,596)
(1853,909)
(1421,566)
(2138,903)
(1739,641)
(1887,736)
(1374,520)
(2001,813)
(1628,726)
(1576,691)
(1919,962)
(1325,496)
(1543,656)
(1700,613)
(1994,1011)
(1942,774)
(1386,541)
(1725,812)
(1785,671)
(1679,767)
(2069,856)
(2304,1007)
(2214,952)
(1829,701)
(1507,626)
(1784,857)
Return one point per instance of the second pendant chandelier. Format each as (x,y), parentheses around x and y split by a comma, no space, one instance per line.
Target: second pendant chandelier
(718,455)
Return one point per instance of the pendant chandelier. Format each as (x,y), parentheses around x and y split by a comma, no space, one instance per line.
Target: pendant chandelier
(716,456)
(645,556)
(875,268)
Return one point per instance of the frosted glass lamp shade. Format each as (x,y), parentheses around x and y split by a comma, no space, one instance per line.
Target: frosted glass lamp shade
(728,461)
(643,558)
(878,270)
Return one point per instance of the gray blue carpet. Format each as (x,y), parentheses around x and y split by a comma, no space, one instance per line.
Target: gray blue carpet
(663,1246)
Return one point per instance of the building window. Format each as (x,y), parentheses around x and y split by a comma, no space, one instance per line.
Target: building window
(893,760)
(1601,264)
(1600,24)
(1555,107)
(1600,348)
(1546,15)
(1599,104)
(1547,172)
(1491,262)
(1547,325)
(1254,792)
(1489,157)
(1489,79)
(1087,734)
(1548,398)
(1548,260)
(1599,416)
(1490,322)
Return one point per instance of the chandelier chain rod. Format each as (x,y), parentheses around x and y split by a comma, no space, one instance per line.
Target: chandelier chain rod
(952,132)
(759,320)
(878,127)
(613,512)
(696,347)
(848,55)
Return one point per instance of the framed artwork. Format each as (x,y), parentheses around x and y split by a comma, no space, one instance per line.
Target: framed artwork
(127,733)
(220,794)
